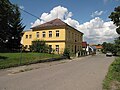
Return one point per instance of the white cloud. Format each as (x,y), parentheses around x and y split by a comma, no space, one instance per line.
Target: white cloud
(22,7)
(96,13)
(95,31)
(98,31)
(57,12)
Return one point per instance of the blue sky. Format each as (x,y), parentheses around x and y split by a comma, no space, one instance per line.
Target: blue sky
(85,12)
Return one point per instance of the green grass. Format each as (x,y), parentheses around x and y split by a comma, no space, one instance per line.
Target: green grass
(112,80)
(14,59)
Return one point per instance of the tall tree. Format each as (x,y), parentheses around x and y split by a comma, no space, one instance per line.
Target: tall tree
(10,25)
(16,27)
(115,17)
(5,8)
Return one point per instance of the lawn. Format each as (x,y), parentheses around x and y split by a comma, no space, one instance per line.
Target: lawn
(15,59)
(112,80)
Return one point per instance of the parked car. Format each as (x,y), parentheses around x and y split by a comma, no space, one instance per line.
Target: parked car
(109,54)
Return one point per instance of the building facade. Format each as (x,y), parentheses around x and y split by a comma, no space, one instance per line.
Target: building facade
(57,34)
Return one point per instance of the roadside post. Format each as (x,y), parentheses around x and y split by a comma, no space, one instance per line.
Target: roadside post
(20,54)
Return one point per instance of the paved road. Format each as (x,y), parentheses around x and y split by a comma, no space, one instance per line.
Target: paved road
(80,74)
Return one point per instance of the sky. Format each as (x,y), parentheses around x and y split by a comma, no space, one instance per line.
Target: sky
(87,16)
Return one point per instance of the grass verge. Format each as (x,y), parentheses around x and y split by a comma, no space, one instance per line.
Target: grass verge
(16,59)
(112,79)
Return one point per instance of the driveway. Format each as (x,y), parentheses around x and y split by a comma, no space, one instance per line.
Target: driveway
(86,73)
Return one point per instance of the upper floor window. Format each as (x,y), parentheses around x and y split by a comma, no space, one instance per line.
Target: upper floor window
(37,34)
(30,36)
(26,36)
(72,36)
(43,34)
(69,35)
(57,33)
(75,38)
(78,37)
(50,33)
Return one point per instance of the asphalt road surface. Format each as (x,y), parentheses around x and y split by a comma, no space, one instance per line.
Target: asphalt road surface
(86,73)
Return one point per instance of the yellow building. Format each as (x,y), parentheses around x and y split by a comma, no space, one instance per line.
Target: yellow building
(57,34)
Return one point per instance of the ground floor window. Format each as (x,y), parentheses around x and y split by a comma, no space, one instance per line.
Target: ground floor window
(57,49)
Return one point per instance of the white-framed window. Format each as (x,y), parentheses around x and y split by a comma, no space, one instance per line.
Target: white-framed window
(30,36)
(78,37)
(26,36)
(57,48)
(69,35)
(57,33)
(43,34)
(37,34)
(50,33)
(75,37)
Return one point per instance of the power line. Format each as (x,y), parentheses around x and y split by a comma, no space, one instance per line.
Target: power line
(29,13)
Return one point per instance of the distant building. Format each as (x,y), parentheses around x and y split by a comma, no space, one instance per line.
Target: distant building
(57,34)
(90,49)
(98,47)
(84,45)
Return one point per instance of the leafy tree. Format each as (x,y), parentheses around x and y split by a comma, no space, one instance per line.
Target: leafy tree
(104,47)
(111,47)
(117,44)
(115,17)
(108,47)
(10,25)
(39,46)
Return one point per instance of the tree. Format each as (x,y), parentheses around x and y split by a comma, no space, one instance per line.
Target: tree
(109,47)
(117,44)
(39,46)
(5,8)
(115,17)
(66,53)
(16,28)
(10,26)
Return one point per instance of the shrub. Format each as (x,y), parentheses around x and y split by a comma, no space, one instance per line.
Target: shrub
(39,46)
(66,53)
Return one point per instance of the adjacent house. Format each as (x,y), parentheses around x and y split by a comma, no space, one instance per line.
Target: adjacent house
(99,48)
(57,34)
(84,45)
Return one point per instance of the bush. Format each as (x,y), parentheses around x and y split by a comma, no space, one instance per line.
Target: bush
(39,46)
(66,53)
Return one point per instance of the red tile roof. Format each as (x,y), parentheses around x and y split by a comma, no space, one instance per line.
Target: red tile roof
(99,47)
(55,22)
(52,24)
